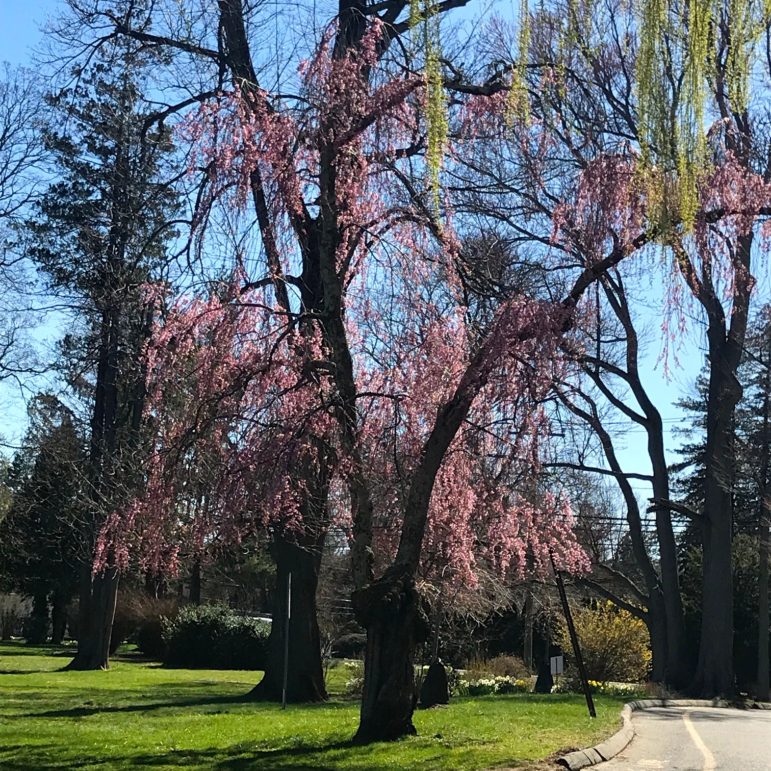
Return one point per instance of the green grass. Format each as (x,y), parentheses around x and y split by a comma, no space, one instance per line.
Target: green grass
(139,715)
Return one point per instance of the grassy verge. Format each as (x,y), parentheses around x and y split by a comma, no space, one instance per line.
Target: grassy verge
(139,715)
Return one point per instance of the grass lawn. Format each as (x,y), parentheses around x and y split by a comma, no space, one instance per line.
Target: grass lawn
(139,715)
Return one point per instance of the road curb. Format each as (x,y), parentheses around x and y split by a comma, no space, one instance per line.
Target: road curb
(611,747)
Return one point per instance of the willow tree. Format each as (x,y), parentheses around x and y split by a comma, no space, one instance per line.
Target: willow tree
(695,113)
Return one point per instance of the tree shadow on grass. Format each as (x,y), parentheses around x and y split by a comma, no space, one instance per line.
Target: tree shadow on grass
(27,672)
(301,758)
(37,650)
(96,709)
(23,757)
(179,703)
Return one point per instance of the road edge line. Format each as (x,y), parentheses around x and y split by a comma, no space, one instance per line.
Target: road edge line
(706,752)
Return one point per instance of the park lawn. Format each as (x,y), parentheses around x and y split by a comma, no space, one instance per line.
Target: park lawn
(140,715)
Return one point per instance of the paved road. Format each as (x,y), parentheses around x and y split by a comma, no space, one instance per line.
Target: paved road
(697,739)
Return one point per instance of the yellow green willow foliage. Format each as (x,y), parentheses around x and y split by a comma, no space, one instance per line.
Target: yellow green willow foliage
(424,15)
(519,103)
(680,37)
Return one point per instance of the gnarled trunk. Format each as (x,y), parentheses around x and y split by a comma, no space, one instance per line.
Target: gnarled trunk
(392,612)
(98,598)
(305,674)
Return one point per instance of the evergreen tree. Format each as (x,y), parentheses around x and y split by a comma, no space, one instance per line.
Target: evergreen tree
(100,236)
(38,536)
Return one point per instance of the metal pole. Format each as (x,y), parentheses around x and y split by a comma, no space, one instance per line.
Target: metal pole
(286,638)
(574,639)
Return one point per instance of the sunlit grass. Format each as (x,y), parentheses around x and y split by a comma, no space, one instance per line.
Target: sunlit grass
(140,715)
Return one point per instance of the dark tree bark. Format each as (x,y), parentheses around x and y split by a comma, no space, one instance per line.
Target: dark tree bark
(98,598)
(301,557)
(435,689)
(36,632)
(305,674)
(155,585)
(763,615)
(762,691)
(58,617)
(195,582)
(528,613)
(656,621)
(98,593)
(389,607)
(653,597)
(544,682)
(396,622)
(714,673)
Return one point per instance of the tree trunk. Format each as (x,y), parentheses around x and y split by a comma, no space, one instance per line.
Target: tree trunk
(764,522)
(527,652)
(763,617)
(95,621)
(195,582)
(155,585)
(305,674)
(392,612)
(656,621)
(58,617)
(678,670)
(36,632)
(714,675)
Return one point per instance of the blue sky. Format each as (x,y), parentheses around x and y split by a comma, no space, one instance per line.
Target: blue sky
(20,23)
(20,27)
(20,34)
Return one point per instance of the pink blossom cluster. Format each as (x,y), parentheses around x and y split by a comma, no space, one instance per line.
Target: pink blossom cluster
(234,415)
(483,510)
(609,206)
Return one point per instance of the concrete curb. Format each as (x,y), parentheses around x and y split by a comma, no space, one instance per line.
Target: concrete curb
(611,747)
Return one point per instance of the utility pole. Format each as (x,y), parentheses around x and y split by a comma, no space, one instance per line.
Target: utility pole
(573,639)
(286,638)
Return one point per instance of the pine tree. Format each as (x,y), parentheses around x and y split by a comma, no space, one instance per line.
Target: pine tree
(38,536)
(101,235)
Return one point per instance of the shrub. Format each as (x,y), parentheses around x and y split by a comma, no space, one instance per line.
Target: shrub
(214,637)
(499,666)
(615,644)
(124,622)
(149,631)
(350,646)
(13,610)
(138,620)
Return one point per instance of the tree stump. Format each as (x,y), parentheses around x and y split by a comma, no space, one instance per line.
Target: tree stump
(435,689)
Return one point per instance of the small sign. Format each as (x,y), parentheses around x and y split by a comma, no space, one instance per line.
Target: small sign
(557,665)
